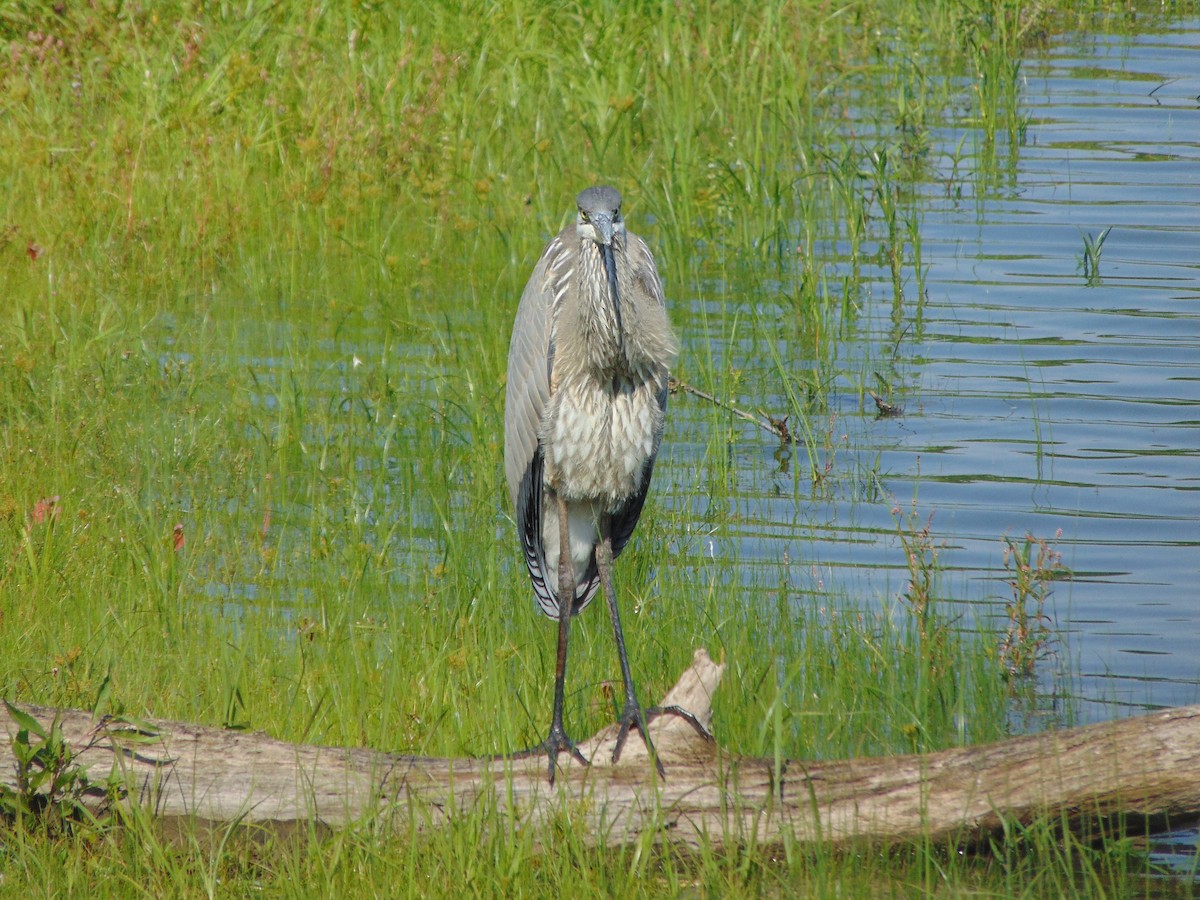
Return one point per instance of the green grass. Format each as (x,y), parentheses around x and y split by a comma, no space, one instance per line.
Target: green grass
(259,265)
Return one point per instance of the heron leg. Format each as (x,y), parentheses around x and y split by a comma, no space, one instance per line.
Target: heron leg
(557,741)
(634,715)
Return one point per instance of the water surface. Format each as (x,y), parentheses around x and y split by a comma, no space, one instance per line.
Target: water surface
(1037,399)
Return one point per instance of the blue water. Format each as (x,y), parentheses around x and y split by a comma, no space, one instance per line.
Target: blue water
(1036,399)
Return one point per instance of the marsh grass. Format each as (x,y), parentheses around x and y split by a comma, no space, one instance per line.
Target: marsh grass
(1089,259)
(259,268)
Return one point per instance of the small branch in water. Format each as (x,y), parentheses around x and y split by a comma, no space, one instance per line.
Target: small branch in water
(886,410)
(777,427)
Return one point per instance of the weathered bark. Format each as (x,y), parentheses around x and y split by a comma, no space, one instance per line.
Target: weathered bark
(1145,769)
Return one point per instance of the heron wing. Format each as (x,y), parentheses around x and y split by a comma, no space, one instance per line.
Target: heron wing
(625,519)
(530,358)
(527,393)
(644,269)
(648,283)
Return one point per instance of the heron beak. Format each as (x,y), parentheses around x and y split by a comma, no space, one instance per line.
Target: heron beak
(602,225)
(610,268)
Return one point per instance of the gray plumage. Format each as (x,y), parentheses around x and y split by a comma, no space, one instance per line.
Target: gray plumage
(583,418)
(586,394)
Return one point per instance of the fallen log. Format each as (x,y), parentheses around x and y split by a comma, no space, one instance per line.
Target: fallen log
(1145,770)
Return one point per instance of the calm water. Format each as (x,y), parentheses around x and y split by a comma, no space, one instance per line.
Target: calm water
(1034,400)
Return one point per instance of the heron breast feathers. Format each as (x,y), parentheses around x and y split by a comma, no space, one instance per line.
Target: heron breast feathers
(598,442)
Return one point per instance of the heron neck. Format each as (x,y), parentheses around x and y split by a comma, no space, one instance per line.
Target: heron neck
(601,302)
(609,257)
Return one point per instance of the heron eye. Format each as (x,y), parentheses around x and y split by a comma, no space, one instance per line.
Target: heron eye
(583,216)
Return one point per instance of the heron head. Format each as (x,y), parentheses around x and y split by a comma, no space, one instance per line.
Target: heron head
(600,215)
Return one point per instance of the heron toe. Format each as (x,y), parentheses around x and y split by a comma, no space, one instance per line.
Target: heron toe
(555,743)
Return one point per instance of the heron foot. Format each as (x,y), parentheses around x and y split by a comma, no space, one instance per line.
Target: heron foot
(555,743)
(634,716)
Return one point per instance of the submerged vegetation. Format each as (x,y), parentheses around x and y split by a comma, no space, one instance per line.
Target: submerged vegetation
(259,265)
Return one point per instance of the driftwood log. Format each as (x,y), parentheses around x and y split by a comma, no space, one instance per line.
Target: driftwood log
(1144,770)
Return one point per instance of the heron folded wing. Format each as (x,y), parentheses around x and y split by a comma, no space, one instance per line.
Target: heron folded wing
(528,382)
(529,526)
(530,498)
(625,519)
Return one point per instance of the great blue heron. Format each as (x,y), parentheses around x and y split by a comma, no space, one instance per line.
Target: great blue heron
(583,417)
